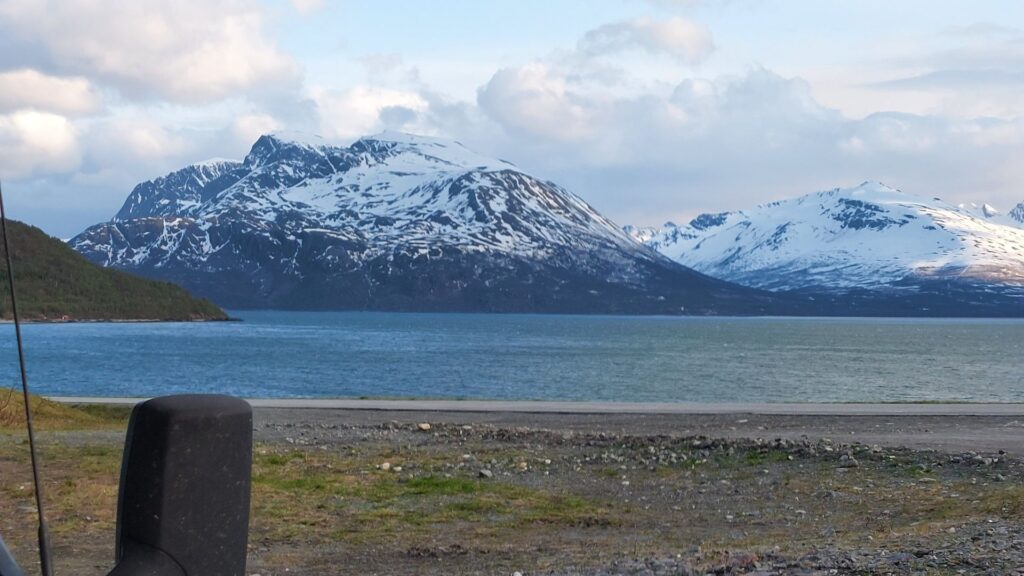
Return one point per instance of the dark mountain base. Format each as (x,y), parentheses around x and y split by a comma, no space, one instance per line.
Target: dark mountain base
(922,299)
(471,283)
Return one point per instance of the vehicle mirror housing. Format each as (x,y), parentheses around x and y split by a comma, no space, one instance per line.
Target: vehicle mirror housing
(183,505)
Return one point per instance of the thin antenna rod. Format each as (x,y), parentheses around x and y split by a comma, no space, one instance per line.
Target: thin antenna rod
(44,533)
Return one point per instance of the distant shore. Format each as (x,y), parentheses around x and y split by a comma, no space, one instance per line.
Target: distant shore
(118,320)
(556,407)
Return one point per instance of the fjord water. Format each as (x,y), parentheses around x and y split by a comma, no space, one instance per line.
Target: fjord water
(630,359)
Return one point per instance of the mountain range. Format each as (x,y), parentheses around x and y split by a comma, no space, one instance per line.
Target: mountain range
(393,222)
(870,245)
(402,222)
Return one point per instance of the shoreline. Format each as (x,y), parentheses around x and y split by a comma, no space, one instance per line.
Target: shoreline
(626,408)
(121,321)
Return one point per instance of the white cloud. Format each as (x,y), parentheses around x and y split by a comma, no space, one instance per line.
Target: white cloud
(29,89)
(972,70)
(248,128)
(306,7)
(33,142)
(676,5)
(678,37)
(731,142)
(138,145)
(190,51)
(358,111)
(535,100)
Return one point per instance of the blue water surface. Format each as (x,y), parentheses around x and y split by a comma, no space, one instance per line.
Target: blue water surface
(632,359)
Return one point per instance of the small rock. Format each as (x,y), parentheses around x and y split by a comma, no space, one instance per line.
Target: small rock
(385,466)
(486,474)
(424,427)
(742,561)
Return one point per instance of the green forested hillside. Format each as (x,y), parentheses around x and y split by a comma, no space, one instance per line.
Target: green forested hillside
(54,282)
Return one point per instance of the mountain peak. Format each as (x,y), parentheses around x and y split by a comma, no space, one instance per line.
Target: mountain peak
(396,137)
(176,192)
(297,138)
(875,191)
(1017,214)
(870,236)
(441,153)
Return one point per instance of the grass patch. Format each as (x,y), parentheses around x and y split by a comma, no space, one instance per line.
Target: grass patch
(336,496)
(756,458)
(50,415)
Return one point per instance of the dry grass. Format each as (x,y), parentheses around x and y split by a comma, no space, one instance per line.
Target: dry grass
(50,415)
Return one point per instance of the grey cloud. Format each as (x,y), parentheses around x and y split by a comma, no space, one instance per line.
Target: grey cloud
(984,30)
(396,117)
(974,56)
(956,79)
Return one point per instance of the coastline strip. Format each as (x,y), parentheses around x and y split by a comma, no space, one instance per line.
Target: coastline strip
(548,407)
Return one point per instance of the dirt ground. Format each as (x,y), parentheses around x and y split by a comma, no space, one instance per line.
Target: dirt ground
(373,492)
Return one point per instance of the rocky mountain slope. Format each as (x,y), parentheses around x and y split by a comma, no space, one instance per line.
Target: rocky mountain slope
(393,222)
(869,246)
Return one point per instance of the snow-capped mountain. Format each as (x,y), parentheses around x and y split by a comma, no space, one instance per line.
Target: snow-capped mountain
(870,241)
(393,221)
(990,213)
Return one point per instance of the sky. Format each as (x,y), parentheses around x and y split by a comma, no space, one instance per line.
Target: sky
(651,110)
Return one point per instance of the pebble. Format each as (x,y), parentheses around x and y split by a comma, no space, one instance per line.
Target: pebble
(424,427)
(486,473)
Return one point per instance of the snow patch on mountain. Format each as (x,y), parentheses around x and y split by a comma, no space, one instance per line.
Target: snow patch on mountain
(394,221)
(990,213)
(871,236)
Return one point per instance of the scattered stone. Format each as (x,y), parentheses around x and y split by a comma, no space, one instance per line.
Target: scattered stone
(424,427)
(485,473)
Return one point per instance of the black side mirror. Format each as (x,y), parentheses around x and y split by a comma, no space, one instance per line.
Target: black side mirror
(183,507)
(8,565)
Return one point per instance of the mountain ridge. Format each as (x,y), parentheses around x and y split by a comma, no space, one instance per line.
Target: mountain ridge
(867,239)
(393,221)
